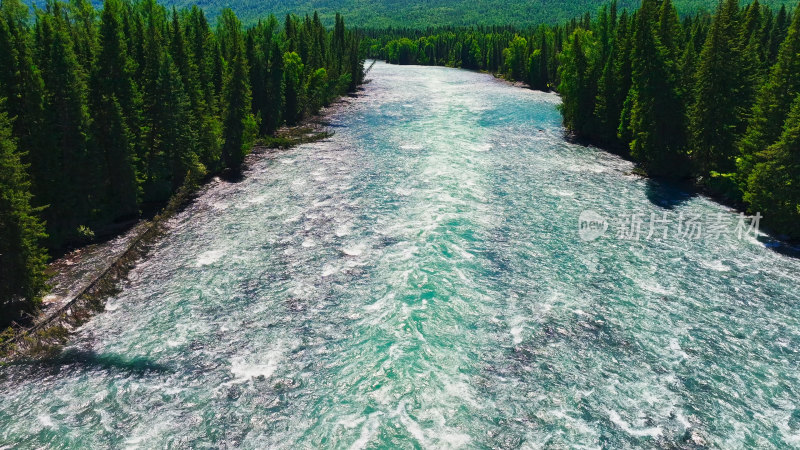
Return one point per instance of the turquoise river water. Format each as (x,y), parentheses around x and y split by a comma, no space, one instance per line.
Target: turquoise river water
(419,281)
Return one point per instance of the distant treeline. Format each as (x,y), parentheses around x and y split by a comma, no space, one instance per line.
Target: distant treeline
(715,97)
(421,14)
(106,113)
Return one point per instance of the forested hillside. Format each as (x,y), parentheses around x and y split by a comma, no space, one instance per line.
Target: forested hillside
(106,113)
(421,13)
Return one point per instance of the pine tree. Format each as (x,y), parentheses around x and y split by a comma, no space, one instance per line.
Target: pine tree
(177,140)
(767,20)
(772,186)
(537,65)
(689,61)
(271,116)
(772,103)
(656,113)
(201,44)
(205,109)
(290,33)
(239,124)
(777,35)
(114,132)
(355,77)
(22,85)
(669,30)
(544,58)
(304,41)
(65,163)
(258,72)
(338,43)
(577,83)
(84,30)
(611,88)
(153,160)
(179,52)
(118,108)
(22,260)
(292,82)
(218,75)
(624,72)
(602,29)
(751,54)
(715,117)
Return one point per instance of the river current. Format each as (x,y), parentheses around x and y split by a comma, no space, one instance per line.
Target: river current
(420,280)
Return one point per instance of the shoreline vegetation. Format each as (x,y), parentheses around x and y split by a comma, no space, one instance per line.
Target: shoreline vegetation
(108,115)
(710,101)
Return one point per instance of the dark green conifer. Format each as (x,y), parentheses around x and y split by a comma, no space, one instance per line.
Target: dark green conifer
(22,259)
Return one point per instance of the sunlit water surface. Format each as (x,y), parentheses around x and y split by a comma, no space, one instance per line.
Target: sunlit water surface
(418,280)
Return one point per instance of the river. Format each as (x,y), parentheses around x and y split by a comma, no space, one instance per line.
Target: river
(419,280)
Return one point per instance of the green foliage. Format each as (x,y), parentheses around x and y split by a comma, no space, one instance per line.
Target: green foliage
(292,86)
(85,233)
(402,51)
(423,14)
(115,104)
(578,90)
(767,165)
(65,127)
(773,185)
(515,58)
(318,90)
(614,84)
(21,257)
(774,100)
(503,50)
(656,115)
(539,65)
(716,115)
(238,126)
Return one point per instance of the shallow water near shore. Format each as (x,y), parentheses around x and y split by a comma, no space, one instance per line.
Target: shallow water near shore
(419,280)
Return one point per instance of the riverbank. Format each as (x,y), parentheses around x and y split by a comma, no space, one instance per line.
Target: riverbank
(83,278)
(719,189)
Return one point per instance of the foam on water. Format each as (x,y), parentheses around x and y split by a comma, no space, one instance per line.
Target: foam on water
(244,370)
(209,257)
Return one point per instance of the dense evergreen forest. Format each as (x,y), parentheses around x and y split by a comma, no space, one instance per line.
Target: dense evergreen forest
(711,97)
(422,14)
(106,113)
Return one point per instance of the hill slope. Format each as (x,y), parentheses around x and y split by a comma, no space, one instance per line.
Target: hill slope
(424,13)
(412,13)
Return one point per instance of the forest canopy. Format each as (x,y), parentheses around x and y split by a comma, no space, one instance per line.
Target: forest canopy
(423,14)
